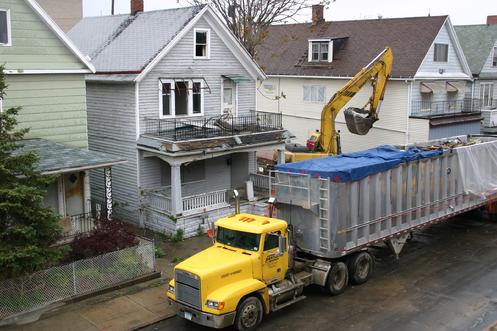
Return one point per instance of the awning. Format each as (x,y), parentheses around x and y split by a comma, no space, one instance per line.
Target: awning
(238,78)
(456,86)
(431,87)
(55,158)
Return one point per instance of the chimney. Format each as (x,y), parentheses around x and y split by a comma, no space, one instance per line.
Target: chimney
(317,14)
(492,20)
(136,6)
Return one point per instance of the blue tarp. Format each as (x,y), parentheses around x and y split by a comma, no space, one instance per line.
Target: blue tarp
(355,166)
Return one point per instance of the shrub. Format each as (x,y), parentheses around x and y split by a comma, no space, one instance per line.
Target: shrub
(159,252)
(178,236)
(108,236)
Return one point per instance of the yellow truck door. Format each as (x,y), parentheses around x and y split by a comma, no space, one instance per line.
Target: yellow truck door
(273,265)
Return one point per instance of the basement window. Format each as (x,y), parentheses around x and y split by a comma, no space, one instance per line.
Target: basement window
(441,53)
(320,50)
(201,43)
(181,98)
(5,38)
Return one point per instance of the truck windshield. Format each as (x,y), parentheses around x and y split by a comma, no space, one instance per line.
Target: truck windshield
(238,239)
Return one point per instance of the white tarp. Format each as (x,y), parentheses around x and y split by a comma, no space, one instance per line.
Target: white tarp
(478,167)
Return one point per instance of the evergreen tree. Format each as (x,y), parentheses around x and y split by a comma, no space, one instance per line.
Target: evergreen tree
(28,230)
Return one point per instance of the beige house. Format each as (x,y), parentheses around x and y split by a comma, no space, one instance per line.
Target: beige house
(65,13)
(428,96)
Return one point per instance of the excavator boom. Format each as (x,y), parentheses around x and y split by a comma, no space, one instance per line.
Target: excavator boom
(359,120)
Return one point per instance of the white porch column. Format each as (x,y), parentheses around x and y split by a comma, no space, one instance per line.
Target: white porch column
(176,195)
(281,156)
(86,192)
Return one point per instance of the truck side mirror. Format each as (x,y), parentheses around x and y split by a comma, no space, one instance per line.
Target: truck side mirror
(281,245)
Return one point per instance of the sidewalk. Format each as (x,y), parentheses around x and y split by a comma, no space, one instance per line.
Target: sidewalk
(125,309)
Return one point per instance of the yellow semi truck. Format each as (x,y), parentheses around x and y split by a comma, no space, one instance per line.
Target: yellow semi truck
(332,211)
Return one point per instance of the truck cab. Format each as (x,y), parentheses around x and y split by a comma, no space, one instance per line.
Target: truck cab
(230,282)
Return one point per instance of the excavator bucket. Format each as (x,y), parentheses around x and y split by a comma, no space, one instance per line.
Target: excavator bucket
(358,120)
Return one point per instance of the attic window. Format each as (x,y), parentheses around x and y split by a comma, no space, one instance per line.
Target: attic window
(201,43)
(320,50)
(494,58)
(441,53)
(5,39)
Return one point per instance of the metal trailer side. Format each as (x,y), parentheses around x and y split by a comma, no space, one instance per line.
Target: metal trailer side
(333,219)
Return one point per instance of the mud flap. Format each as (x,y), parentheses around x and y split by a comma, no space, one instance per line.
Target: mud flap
(358,121)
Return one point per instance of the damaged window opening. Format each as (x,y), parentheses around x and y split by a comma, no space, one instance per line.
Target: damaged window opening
(5,27)
(181,97)
(202,43)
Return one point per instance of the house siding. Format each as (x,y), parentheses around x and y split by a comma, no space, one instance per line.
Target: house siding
(488,68)
(179,63)
(453,65)
(34,45)
(53,106)
(112,130)
(303,118)
(455,129)
(65,13)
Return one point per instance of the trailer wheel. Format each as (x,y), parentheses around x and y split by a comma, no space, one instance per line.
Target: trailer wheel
(338,279)
(361,267)
(249,314)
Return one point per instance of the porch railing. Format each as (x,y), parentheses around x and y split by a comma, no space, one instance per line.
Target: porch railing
(260,182)
(78,224)
(180,129)
(205,201)
(440,108)
(160,200)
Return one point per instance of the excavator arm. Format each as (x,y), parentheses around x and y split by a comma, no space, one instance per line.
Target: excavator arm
(359,120)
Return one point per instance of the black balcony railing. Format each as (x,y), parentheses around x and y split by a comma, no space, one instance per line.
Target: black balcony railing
(440,108)
(176,129)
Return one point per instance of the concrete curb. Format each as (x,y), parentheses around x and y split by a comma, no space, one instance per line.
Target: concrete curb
(151,322)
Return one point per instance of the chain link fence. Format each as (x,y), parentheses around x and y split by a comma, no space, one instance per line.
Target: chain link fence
(81,277)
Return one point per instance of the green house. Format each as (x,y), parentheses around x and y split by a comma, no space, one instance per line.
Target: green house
(46,77)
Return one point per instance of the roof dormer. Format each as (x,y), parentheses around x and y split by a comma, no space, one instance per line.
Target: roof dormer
(320,50)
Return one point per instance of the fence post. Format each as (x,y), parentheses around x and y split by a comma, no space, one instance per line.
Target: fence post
(74,285)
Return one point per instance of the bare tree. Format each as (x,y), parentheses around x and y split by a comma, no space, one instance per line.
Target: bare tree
(249,19)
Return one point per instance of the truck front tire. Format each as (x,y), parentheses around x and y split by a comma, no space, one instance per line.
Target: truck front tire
(360,267)
(249,314)
(338,279)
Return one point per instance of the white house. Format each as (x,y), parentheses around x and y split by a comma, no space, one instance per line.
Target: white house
(175,94)
(429,94)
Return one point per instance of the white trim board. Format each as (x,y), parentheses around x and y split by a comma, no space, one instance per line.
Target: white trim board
(48,71)
(60,34)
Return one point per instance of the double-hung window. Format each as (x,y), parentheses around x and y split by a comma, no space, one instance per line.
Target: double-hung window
(486,94)
(5,37)
(320,51)
(441,53)
(201,43)
(314,93)
(181,98)
(494,58)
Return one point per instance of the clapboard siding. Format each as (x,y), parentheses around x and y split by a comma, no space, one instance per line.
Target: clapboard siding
(488,67)
(455,129)
(453,65)
(179,63)
(112,130)
(53,106)
(34,45)
(419,130)
(440,95)
(303,118)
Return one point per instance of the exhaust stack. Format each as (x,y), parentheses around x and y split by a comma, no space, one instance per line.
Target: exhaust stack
(236,195)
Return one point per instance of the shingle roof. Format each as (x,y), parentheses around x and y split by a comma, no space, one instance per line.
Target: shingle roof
(59,158)
(112,41)
(284,51)
(477,42)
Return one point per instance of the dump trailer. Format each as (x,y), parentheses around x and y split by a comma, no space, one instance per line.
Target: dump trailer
(323,216)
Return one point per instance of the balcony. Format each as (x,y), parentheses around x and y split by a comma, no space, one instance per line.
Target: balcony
(184,129)
(428,109)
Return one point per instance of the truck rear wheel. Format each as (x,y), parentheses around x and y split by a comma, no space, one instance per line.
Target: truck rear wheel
(249,314)
(338,279)
(360,267)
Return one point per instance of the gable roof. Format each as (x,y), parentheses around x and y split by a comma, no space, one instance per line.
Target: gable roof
(133,44)
(477,42)
(285,50)
(59,33)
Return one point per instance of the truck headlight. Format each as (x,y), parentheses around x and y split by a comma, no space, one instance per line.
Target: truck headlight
(170,289)
(218,305)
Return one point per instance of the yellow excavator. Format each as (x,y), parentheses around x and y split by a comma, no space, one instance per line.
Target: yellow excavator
(359,121)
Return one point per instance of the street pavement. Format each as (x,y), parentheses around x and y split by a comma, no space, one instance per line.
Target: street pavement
(445,279)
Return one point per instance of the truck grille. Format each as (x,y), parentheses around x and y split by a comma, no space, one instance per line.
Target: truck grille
(188,288)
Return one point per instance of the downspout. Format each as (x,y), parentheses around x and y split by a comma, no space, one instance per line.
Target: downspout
(409,105)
